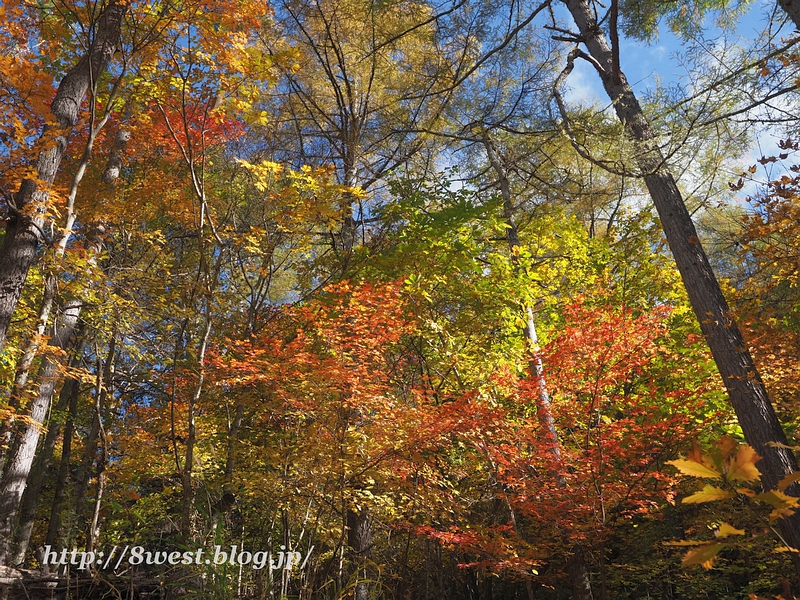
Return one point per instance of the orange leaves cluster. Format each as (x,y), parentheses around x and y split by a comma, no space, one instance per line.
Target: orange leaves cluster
(769,298)
(333,381)
(620,411)
(25,92)
(616,422)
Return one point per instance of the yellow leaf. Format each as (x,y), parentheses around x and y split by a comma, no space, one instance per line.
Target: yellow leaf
(693,468)
(685,543)
(746,492)
(780,513)
(709,493)
(743,466)
(788,480)
(702,555)
(725,530)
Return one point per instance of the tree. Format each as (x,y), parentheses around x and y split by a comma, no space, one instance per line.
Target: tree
(29,205)
(742,380)
(360,97)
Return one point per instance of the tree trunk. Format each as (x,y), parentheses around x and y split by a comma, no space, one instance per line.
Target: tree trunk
(577,569)
(228,496)
(59,493)
(791,8)
(359,538)
(15,475)
(187,480)
(228,499)
(114,164)
(23,366)
(47,373)
(742,380)
(24,228)
(94,238)
(103,390)
(578,575)
(30,499)
(535,366)
(82,478)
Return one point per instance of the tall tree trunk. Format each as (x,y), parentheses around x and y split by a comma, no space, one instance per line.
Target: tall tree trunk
(15,475)
(187,513)
(103,391)
(228,499)
(30,499)
(579,575)
(23,367)
(49,367)
(742,380)
(94,237)
(576,563)
(81,484)
(60,487)
(345,241)
(233,437)
(24,228)
(535,366)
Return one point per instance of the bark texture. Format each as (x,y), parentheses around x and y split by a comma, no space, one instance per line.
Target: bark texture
(114,164)
(791,8)
(24,227)
(30,499)
(20,461)
(745,388)
(359,538)
(579,576)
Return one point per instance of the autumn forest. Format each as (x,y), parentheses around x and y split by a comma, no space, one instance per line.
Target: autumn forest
(399,299)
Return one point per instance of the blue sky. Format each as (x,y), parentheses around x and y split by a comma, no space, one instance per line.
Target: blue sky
(644,63)
(647,65)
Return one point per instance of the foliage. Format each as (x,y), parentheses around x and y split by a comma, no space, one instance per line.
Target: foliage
(247,374)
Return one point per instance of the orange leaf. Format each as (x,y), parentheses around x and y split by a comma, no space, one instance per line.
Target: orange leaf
(788,480)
